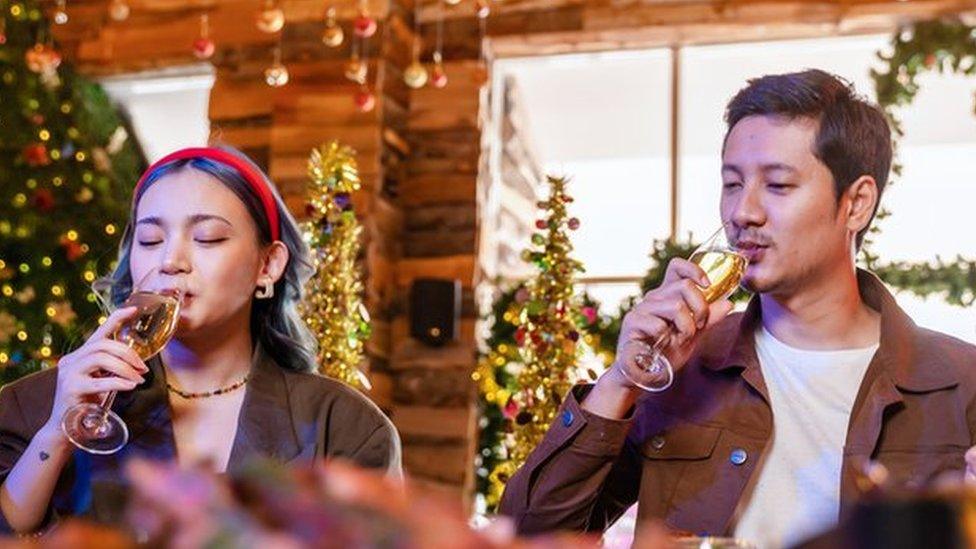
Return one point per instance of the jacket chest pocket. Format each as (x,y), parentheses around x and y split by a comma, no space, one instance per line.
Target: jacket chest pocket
(675,463)
(917,467)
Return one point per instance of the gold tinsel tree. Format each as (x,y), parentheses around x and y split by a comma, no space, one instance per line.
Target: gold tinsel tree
(333,306)
(548,333)
(548,316)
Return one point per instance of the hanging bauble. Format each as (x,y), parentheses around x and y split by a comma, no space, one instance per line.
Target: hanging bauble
(930,60)
(364,26)
(483,8)
(356,70)
(438,78)
(365,100)
(276,75)
(60,15)
(332,34)
(42,59)
(452,2)
(204,48)
(415,75)
(271,19)
(118,10)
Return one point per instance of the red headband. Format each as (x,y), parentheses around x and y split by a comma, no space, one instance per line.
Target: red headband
(250,174)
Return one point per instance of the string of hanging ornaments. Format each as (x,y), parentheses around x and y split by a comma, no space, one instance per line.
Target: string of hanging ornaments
(270,19)
(416,75)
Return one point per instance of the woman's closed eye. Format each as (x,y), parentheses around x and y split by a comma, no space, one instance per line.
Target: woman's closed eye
(210,239)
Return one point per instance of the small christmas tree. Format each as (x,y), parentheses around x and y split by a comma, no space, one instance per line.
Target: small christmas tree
(67,173)
(333,305)
(539,331)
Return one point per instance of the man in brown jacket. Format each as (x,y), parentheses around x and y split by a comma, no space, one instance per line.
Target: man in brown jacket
(773,411)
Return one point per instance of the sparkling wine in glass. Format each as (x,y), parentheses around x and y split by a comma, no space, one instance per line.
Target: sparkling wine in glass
(724,267)
(95,428)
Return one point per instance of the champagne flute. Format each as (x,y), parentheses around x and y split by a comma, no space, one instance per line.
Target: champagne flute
(93,427)
(724,267)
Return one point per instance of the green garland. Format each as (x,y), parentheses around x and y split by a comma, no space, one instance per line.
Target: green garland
(944,46)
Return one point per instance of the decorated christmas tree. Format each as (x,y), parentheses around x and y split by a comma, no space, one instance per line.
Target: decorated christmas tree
(540,330)
(333,305)
(67,172)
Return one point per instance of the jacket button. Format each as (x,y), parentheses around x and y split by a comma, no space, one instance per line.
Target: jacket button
(738,456)
(567,418)
(657,442)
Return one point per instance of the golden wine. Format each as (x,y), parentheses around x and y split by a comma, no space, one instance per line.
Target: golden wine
(724,270)
(150,329)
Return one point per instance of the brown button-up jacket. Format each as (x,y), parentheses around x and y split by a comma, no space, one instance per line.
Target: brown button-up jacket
(289,416)
(688,455)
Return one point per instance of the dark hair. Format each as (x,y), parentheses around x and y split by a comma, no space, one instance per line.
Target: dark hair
(275,322)
(853,137)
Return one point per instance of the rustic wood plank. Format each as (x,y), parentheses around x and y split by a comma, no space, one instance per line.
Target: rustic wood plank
(438,423)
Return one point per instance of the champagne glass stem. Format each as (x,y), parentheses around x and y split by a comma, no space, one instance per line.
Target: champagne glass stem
(106,404)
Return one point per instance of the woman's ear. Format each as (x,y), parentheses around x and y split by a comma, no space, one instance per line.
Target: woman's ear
(275,260)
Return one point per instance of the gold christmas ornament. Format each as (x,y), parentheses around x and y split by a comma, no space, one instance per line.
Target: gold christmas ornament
(119,10)
(415,75)
(271,18)
(276,75)
(332,35)
(356,70)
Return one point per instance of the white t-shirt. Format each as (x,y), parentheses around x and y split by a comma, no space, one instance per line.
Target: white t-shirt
(797,493)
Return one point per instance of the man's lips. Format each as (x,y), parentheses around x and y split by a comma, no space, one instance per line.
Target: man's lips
(752,250)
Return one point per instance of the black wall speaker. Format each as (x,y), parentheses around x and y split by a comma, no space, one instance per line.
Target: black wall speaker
(435,310)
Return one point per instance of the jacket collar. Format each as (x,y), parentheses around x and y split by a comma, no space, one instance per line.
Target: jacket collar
(265,425)
(911,363)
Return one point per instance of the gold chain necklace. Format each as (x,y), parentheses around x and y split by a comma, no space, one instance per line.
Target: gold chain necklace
(215,392)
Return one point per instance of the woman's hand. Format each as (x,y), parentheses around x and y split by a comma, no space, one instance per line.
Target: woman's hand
(100,365)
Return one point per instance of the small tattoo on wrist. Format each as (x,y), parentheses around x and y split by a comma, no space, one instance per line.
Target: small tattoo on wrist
(44,455)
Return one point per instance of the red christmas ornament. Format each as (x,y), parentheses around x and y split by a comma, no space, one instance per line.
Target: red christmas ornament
(573,223)
(520,336)
(72,249)
(36,155)
(37,119)
(203,48)
(365,100)
(43,200)
(438,78)
(930,60)
(541,224)
(511,409)
(364,26)
(590,314)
